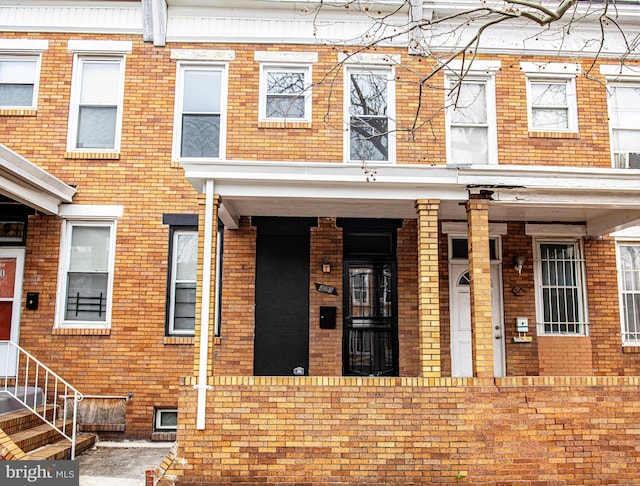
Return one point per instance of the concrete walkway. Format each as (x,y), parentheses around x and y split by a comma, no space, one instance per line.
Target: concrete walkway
(120,463)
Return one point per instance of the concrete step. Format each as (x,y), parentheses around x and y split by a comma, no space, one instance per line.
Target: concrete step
(30,395)
(61,449)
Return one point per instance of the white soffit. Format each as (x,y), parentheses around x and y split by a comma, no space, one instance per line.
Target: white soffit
(30,185)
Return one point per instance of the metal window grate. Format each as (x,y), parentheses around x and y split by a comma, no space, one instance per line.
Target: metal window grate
(86,304)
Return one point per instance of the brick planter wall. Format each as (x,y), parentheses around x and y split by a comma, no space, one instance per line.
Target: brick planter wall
(412,431)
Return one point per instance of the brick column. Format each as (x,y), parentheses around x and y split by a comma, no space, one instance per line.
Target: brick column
(480,273)
(428,288)
(209,320)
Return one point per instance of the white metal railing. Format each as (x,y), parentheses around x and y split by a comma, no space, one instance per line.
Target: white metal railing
(23,374)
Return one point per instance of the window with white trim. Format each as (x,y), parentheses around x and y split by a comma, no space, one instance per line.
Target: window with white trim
(166,419)
(182,281)
(95,117)
(199,125)
(560,287)
(285,93)
(624,123)
(552,104)
(86,273)
(369,114)
(629,287)
(19,81)
(471,122)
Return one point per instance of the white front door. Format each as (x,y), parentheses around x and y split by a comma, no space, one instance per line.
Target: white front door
(11,273)
(460,301)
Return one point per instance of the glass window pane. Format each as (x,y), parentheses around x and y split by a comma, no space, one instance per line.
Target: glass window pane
(291,83)
(90,249)
(550,119)
(184,306)
(202,91)
(469,104)
(86,296)
(100,82)
(625,106)
(368,94)
(16,95)
(97,127)
(285,106)
(469,145)
(17,71)
(548,94)
(186,255)
(168,419)
(200,136)
(369,138)
(626,140)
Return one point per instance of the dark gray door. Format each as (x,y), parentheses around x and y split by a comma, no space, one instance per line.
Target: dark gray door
(282,296)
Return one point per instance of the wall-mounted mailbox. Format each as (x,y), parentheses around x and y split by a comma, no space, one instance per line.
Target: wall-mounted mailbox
(522,324)
(327,317)
(32,301)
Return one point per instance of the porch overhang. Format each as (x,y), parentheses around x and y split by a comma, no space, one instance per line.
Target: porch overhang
(23,182)
(604,200)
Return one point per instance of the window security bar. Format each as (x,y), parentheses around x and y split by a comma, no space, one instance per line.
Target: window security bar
(87,304)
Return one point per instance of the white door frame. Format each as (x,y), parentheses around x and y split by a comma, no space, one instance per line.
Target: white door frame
(19,254)
(457,268)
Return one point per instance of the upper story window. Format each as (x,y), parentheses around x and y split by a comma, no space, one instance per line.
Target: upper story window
(285,93)
(629,287)
(551,96)
(85,281)
(19,77)
(624,120)
(20,61)
(471,116)
(369,110)
(201,101)
(97,92)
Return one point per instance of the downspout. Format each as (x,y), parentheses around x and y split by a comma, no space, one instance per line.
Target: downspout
(207,257)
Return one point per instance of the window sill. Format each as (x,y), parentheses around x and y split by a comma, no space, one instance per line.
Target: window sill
(284,124)
(17,112)
(554,135)
(92,155)
(81,331)
(163,436)
(188,340)
(631,349)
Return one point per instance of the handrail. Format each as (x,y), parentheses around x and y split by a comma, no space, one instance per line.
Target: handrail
(23,371)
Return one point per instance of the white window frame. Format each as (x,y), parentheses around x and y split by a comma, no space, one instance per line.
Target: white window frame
(571,107)
(65,260)
(181,67)
(37,60)
(157,426)
(373,64)
(583,319)
(619,159)
(477,72)
(173,282)
(84,215)
(629,338)
(265,69)
(79,61)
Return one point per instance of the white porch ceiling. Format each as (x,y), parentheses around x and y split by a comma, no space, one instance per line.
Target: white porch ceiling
(603,199)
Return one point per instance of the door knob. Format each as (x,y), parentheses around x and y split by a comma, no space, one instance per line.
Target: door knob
(498,337)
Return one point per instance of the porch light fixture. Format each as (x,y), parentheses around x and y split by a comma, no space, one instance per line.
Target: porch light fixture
(518,263)
(326,265)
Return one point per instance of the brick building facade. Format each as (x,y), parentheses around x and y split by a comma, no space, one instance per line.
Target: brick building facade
(228,221)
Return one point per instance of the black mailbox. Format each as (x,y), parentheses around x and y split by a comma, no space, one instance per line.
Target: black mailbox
(327,317)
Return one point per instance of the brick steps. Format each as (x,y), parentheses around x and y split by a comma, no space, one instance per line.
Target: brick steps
(38,439)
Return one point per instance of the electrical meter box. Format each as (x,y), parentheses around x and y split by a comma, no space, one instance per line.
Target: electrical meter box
(522,324)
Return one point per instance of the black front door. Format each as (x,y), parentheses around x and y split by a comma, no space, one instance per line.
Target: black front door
(282,296)
(370,335)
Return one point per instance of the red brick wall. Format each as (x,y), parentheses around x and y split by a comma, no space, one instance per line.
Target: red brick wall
(413,431)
